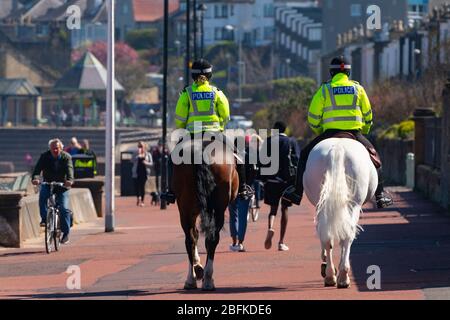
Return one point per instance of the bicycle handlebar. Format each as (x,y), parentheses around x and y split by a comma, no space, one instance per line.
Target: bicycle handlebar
(59,184)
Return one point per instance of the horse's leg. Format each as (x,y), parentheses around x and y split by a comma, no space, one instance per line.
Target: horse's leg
(323,256)
(330,271)
(188,228)
(211,245)
(198,268)
(344,265)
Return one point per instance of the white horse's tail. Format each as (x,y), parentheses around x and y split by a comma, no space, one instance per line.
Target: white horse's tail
(335,208)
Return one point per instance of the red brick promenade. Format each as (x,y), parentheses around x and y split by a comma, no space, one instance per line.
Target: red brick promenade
(145,258)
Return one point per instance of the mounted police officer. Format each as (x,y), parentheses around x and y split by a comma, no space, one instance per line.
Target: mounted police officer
(204,108)
(340,106)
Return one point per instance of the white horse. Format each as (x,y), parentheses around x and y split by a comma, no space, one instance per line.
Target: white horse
(339,178)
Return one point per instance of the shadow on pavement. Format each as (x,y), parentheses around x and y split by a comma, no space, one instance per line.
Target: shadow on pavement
(19,254)
(412,255)
(144,293)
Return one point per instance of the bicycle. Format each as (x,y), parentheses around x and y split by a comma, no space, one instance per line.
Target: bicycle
(253,210)
(53,222)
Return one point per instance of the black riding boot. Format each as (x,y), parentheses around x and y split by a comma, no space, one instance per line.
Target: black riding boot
(245,191)
(382,198)
(168,194)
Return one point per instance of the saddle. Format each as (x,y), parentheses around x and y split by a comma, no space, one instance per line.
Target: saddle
(374,156)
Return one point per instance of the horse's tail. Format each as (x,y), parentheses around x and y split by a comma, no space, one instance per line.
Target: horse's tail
(335,209)
(205,187)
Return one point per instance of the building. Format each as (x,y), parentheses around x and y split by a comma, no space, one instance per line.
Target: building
(403,54)
(340,16)
(298,40)
(247,20)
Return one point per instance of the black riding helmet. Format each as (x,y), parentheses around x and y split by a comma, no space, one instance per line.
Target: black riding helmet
(340,65)
(201,67)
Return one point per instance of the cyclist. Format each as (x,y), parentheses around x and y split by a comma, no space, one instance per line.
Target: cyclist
(55,166)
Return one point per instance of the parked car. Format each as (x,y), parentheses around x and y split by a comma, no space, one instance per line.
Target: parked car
(239,122)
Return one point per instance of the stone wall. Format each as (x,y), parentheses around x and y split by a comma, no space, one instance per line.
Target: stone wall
(19,215)
(393,155)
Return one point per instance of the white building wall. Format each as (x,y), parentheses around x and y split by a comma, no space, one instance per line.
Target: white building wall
(249,17)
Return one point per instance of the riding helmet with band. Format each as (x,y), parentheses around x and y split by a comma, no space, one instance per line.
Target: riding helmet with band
(340,65)
(201,67)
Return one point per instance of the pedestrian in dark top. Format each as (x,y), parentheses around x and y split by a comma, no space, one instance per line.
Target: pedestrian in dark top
(156,152)
(55,166)
(275,185)
(239,207)
(142,160)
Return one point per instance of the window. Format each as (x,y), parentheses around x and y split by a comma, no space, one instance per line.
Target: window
(125,8)
(268,11)
(315,34)
(216,11)
(231,10)
(355,10)
(268,33)
(224,11)
(221,11)
(218,33)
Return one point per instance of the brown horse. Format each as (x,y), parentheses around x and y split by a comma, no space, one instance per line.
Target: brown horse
(204,190)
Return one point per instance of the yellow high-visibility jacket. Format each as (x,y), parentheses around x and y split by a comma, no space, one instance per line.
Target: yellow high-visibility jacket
(340,104)
(201,108)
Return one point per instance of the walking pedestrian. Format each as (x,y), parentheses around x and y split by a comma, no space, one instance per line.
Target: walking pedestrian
(142,160)
(240,206)
(275,185)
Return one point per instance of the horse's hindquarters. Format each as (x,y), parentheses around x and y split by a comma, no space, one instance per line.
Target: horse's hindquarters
(358,168)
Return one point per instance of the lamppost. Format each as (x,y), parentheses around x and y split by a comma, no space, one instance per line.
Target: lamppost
(288,64)
(202,8)
(188,43)
(241,76)
(110,124)
(194,6)
(163,204)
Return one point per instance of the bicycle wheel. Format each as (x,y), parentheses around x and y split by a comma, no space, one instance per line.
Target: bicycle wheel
(57,233)
(49,231)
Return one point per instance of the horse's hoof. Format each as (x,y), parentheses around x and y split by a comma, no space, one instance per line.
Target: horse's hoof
(208,286)
(330,281)
(198,269)
(190,286)
(323,268)
(343,285)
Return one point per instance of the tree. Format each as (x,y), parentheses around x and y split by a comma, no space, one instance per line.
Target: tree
(143,39)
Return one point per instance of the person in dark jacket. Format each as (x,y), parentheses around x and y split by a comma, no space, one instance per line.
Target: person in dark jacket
(275,185)
(239,207)
(55,166)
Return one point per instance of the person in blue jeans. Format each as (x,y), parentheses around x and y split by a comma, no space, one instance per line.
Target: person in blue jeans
(238,223)
(55,166)
(240,206)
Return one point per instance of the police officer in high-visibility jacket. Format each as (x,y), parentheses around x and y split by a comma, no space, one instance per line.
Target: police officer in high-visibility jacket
(340,105)
(204,108)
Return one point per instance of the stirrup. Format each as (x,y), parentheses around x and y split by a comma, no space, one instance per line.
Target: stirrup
(292,195)
(168,196)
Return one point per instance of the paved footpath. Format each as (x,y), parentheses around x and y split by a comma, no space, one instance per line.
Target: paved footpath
(145,258)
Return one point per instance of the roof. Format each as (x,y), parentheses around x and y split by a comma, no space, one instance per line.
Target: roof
(88,74)
(36,9)
(152,10)
(17,88)
(6,8)
(95,14)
